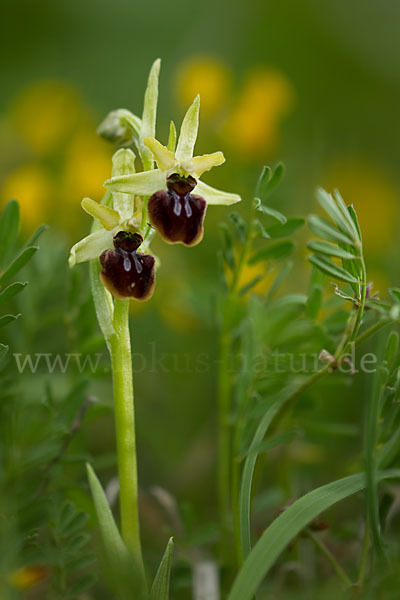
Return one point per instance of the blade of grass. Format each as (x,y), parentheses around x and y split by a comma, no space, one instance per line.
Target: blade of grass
(249,465)
(289,524)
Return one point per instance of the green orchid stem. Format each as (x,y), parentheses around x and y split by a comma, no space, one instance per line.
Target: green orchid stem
(121,360)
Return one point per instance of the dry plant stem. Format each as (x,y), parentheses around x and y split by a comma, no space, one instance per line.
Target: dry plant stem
(319,544)
(120,350)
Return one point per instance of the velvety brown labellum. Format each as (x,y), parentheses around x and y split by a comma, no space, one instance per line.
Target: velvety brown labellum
(125,272)
(177,214)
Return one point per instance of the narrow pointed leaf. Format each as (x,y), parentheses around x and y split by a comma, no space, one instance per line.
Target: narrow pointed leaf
(260,230)
(9,223)
(113,544)
(123,567)
(22,259)
(395,293)
(288,525)
(6,319)
(287,228)
(188,133)
(249,465)
(240,225)
(282,273)
(276,177)
(354,218)
(392,346)
(322,228)
(329,268)
(3,351)
(251,284)
(330,250)
(12,290)
(275,251)
(314,302)
(160,587)
(267,210)
(268,181)
(342,220)
(35,236)
(262,184)
(227,245)
(348,214)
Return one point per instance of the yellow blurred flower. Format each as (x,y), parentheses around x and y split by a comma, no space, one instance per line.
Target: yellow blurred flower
(375,198)
(45,114)
(87,165)
(32,186)
(253,126)
(262,269)
(27,577)
(52,122)
(175,307)
(207,76)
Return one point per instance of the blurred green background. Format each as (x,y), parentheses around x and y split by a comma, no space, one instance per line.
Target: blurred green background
(314,84)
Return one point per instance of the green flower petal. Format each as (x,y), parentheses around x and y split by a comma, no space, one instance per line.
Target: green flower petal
(91,246)
(201,164)
(214,196)
(188,134)
(172,137)
(123,164)
(142,184)
(149,113)
(108,217)
(165,159)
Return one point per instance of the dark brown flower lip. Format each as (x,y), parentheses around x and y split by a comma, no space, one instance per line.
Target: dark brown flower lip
(127,273)
(177,218)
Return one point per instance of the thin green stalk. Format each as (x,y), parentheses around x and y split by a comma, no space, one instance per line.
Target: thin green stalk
(224,443)
(319,544)
(360,312)
(228,469)
(371,330)
(120,351)
(236,473)
(364,556)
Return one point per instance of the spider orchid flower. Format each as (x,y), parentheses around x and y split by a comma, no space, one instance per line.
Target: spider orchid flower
(125,272)
(174,211)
